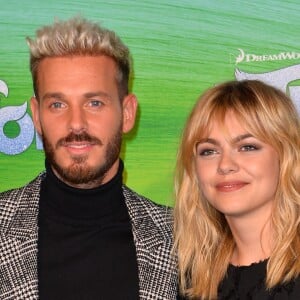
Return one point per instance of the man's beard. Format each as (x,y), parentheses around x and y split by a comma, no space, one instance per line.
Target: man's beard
(79,172)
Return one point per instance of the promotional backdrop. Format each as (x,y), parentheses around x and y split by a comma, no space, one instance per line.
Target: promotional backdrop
(180,48)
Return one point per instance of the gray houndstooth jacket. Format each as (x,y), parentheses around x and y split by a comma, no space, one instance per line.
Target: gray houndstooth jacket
(151,227)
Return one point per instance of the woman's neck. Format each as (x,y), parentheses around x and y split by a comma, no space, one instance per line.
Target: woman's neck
(253,239)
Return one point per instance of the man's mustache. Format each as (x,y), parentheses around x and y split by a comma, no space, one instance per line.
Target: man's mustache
(78,137)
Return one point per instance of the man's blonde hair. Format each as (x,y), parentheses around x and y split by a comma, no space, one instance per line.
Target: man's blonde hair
(77,36)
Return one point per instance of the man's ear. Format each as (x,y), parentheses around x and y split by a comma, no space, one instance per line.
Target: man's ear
(34,106)
(129,112)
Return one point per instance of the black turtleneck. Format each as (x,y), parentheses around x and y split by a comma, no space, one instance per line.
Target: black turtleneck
(85,246)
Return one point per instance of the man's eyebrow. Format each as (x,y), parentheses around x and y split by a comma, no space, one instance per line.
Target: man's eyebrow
(97,94)
(58,96)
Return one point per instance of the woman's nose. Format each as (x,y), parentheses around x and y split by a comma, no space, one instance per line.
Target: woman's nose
(227,163)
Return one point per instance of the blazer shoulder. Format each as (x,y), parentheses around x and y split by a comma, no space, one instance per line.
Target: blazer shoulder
(26,190)
(142,208)
(19,203)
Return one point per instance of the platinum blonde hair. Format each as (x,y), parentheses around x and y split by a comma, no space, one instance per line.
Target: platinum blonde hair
(77,36)
(203,239)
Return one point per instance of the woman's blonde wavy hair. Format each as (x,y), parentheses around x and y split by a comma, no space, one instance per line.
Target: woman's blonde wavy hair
(203,239)
(78,36)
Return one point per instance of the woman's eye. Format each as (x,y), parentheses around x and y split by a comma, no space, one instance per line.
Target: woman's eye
(249,148)
(207,152)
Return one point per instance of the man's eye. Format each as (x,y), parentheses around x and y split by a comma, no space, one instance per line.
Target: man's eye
(56,105)
(95,103)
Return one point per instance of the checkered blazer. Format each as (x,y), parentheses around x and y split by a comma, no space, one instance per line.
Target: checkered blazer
(151,227)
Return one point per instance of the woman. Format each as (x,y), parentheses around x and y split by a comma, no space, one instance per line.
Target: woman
(237,211)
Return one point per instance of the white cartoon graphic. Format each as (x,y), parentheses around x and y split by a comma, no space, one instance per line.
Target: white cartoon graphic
(18,114)
(281,79)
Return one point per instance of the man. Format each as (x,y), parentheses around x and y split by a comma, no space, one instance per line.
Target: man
(76,232)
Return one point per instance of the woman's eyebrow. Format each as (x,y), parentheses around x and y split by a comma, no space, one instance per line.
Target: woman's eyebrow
(208,140)
(241,137)
(234,140)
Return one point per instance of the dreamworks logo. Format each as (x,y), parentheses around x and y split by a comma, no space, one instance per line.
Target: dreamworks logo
(250,57)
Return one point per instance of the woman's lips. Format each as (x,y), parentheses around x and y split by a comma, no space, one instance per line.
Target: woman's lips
(230,186)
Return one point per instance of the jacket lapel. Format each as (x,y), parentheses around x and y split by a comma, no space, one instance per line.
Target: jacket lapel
(152,232)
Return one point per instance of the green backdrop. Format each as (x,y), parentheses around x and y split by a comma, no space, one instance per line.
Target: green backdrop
(180,48)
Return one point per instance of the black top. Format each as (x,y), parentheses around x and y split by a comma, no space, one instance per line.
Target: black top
(248,282)
(85,246)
